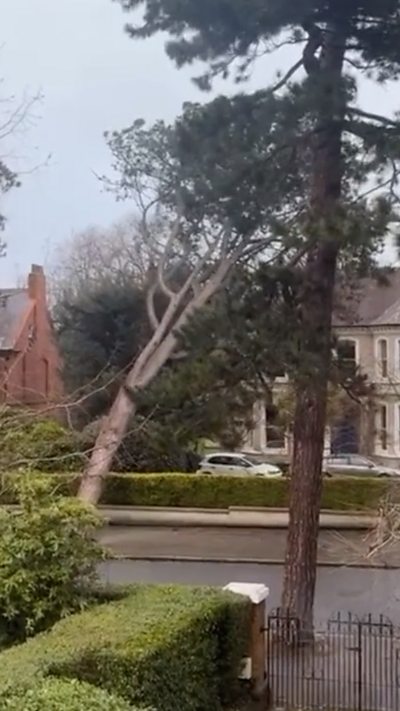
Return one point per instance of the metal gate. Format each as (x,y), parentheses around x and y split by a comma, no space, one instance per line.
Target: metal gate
(349,664)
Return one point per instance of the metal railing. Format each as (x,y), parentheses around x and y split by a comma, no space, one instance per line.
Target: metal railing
(349,664)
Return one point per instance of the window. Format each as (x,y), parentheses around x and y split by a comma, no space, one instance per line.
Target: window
(382,355)
(361,462)
(274,430)
(382,428)
(398,357)
(347,355)
(397,426)
(217,460)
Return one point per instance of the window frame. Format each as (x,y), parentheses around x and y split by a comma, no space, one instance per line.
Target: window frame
(379,360)
(380,446)
(276,450)
(350,339)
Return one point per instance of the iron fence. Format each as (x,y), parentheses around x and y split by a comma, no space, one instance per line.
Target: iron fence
(349,664)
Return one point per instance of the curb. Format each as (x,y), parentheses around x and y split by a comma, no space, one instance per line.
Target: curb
(243,561)
(233,517)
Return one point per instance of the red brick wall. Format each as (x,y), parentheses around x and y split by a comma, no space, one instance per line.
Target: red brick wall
(33,371)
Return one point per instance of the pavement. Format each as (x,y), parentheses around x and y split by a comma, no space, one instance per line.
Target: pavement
(239,545)
(232,517)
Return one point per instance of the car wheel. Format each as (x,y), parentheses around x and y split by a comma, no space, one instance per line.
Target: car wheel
(382,475)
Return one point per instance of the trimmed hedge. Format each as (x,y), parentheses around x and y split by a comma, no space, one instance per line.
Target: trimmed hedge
(167,647)
(203,491)
(66,695)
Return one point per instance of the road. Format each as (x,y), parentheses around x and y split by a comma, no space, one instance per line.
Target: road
(338,589)
(356,589)
(239,544)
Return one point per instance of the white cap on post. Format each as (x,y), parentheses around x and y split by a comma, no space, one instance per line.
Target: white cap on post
(256,592)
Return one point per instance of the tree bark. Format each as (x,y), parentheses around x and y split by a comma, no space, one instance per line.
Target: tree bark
(148,364)
(315,316)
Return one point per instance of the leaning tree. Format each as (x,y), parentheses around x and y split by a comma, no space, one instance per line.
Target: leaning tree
(347,154)
(211,194)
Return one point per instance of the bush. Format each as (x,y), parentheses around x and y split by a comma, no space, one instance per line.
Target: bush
(68,695)
(202,491)
(41,444)
(47,558)
(169,647)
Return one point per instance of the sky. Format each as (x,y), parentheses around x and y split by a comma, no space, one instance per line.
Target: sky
(92,78)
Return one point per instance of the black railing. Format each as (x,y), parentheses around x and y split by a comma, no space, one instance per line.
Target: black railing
(348,664)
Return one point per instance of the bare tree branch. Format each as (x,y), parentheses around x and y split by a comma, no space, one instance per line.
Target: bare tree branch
(373,117)
(282,82)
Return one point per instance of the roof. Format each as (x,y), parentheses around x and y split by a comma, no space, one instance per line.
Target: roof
(14,304)
(373,302)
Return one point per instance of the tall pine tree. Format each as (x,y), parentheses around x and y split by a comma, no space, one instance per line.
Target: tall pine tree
(339,43)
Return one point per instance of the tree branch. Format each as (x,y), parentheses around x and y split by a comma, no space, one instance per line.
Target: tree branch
(282,82)
(373,117)
(151,312)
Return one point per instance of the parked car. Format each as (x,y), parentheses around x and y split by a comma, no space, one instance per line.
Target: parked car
(237,465)
(356,465)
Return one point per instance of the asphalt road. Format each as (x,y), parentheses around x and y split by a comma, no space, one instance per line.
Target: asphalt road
(355,590)
(219,556)
(238,544)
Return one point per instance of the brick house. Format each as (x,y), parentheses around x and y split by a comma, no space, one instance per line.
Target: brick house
(367,328)
(29,359)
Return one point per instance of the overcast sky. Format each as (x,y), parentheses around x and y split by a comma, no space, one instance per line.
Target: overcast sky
(93,78)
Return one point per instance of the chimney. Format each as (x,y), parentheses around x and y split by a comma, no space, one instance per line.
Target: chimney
(37,283)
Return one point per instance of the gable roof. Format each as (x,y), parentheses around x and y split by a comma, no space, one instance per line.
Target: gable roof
(373,302)
(15,304)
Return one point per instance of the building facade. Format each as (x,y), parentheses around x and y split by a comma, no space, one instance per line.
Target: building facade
(368,338)
(29,359)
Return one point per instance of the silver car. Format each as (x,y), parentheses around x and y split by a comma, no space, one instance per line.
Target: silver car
(237,465)
(356,465)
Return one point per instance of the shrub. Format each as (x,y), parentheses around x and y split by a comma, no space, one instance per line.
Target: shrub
(202,491)
(68,695)
(169,647)
(41,444)
(47,558)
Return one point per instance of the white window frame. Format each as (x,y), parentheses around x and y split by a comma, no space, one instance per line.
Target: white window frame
(264,440)
(378,359)
(351,339)
(282,378)
(378,444)
(396,418)
(397,356)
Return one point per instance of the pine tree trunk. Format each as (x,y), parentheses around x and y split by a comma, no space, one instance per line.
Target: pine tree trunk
(315,316)
(308,443)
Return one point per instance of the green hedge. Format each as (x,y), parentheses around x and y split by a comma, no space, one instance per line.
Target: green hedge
(66,695)
(193,490)
(202,491)
(167,647)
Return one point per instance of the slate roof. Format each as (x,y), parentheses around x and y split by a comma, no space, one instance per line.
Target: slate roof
(14,305)
(373,302)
